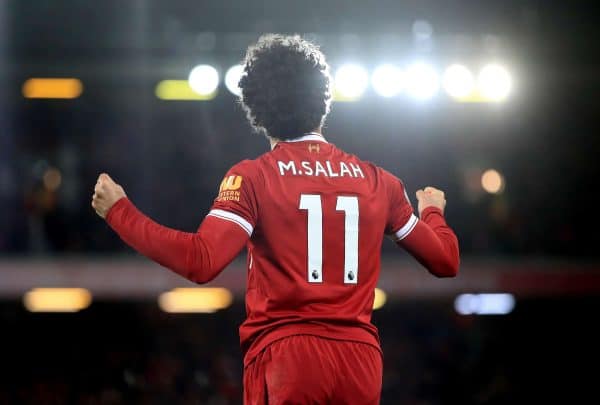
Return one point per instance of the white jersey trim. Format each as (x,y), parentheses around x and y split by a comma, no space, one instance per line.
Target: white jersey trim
(231,217)
(312,136)
(407,228)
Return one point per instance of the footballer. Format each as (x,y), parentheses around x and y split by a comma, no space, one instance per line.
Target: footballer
(312,218)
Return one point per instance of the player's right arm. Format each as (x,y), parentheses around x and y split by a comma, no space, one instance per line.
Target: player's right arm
(199,256)
(429,239)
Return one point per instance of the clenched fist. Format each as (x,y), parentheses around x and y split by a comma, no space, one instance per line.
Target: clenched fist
(106,194)
(430,197)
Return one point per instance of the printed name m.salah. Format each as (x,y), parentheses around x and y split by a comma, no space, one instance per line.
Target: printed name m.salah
(317,168)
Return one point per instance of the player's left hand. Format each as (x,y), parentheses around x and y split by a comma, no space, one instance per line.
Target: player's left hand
(431,197)
(106,194)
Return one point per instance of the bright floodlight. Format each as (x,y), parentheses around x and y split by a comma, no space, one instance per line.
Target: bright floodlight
(380,298)
(232,78)
(202,300)
(204,79)
(350,82)
(458,81)
(422,81)
(57,299)
(492,181)
(494,82)
(484,304)
(387,80)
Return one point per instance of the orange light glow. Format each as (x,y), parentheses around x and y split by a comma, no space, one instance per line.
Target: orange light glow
(52,88)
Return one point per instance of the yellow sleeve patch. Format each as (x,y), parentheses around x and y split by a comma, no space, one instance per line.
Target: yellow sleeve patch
(229,189)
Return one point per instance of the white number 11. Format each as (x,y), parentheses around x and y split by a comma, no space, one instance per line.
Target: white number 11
(312,203)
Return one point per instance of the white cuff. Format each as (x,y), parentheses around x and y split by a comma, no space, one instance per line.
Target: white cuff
(407,228)
(231,217)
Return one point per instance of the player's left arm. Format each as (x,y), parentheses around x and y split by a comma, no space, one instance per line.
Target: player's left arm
(199,256)
(432,242)
(429,239)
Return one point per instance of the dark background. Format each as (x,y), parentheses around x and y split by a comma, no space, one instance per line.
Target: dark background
(171,156)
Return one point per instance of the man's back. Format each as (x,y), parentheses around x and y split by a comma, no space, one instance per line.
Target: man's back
(318,216)
(313,218)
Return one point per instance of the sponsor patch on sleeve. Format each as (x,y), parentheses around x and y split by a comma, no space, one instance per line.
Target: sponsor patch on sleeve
(230,188)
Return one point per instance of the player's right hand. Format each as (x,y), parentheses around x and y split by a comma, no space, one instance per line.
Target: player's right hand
(106,194)
(431,197)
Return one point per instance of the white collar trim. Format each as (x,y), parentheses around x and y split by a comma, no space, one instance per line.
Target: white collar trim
(311,136)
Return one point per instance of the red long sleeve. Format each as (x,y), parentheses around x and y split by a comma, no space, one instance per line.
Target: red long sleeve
(433,244)
(199,257)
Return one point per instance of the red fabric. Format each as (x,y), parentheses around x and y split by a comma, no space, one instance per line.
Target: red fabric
(265,194)
(280,300)
(307,370)
(434,244)
(199,257)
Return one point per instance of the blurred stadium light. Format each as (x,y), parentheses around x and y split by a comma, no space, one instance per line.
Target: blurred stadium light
(350,82)
(458,81)
(179,90)
(387,80)
(200,300)
(492,181)
(484,304)
(494,83)
(422,30)
(52,179)
(419,80)
(57,299)
(52,88)
(232,78)
(204,80)
(422,81)
(380,298)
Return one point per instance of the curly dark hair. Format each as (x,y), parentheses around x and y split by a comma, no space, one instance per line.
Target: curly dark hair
(285,86)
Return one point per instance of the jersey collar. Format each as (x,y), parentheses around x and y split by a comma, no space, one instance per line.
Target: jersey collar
(310,136)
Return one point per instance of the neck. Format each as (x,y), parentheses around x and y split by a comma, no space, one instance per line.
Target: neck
(274,141)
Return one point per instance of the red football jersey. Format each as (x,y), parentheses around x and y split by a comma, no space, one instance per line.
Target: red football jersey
(317,217)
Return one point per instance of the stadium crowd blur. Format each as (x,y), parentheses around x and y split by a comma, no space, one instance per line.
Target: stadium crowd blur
(175,156)
(170,158)
(148,357)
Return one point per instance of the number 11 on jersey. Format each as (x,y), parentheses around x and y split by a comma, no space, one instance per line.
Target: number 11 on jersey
(312,203)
